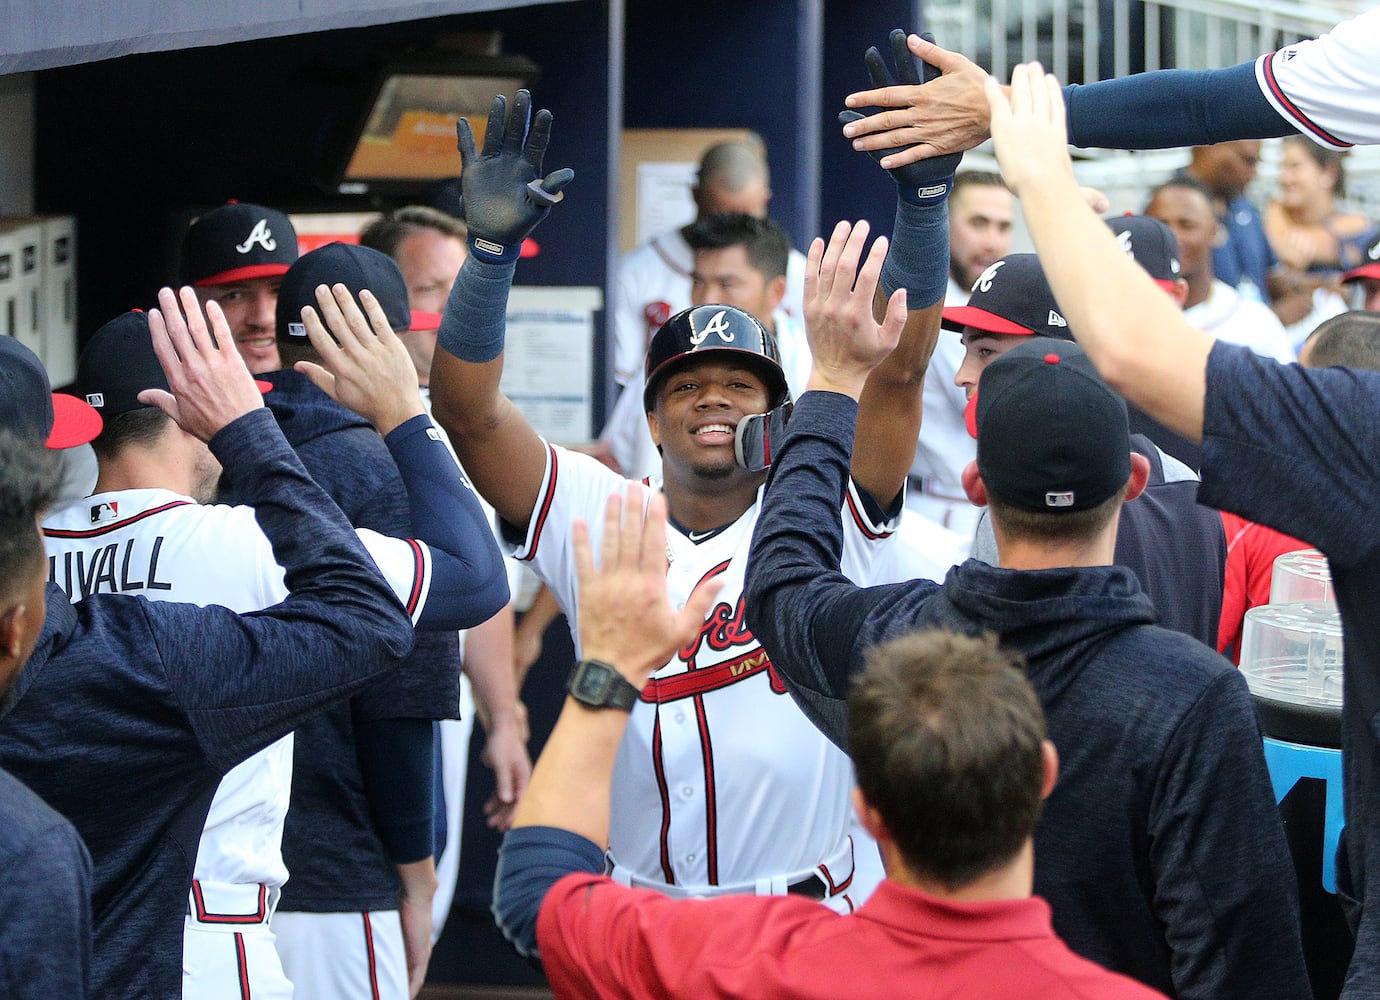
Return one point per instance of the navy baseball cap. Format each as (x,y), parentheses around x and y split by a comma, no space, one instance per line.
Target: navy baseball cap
(30,408)
(1051,434)
(236,242)
(357,268)
(119,362)
(1371,268)
(1013,297)
(1151,244)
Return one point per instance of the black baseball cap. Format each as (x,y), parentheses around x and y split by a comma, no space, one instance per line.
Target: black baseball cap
(1371,268)
(1013,297)
(236,242)
(1051,435)
(30,408)
(357,268)
(1151,244)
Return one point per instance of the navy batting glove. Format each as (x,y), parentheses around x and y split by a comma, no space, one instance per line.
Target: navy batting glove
(925,181)
(502,193)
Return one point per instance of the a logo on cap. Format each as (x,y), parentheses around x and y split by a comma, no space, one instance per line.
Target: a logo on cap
(984,281)
(261,235)
(297,330)
(1061,499)
(1055,319)
(108,511)
(717,325)
(96,399)
(1373,251)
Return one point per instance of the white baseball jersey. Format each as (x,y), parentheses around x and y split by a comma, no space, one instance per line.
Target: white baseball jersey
(626,433)
(945,446)
(1228,315)
(1329,87)
(652,283)
(165,546)
(720,784)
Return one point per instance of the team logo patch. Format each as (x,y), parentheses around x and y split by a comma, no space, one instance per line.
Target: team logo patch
(718,326)
(260,235)
(655,314)
(96,399)
(103,512)
(984,281)
(1060,499)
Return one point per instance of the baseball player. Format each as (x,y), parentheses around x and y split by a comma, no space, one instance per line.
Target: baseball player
(1327,88)
(721,784)
(134,535)
(236,256)
(128,712)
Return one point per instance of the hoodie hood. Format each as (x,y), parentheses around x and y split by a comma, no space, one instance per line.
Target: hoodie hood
(303,411)
(1054,618)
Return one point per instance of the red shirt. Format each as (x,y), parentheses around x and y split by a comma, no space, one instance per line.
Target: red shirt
(1251,552)
(598,939)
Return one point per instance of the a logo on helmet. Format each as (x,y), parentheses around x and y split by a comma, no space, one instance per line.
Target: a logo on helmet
(717,325)
(984,282)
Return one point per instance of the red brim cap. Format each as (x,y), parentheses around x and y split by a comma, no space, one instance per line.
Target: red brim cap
(957,317)
(264,387)
(244,274)
(529,248)
(1364,271)
(75,422)
(424,321)
(970,415)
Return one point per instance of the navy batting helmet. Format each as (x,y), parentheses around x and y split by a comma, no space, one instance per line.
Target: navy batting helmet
(714,329)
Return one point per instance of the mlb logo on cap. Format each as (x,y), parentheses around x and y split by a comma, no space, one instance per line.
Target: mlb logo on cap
(1012,297)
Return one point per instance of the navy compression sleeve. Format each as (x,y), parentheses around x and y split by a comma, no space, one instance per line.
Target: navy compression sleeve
(1172,107)
(397,760)
(469,584)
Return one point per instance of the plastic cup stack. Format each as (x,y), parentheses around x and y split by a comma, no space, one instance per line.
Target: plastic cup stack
(1291,648)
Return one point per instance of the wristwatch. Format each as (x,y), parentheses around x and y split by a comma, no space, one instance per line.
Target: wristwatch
(597,685)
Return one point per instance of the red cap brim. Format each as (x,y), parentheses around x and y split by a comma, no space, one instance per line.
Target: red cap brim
(263,387)
(243,274)
(425,321)
(75,422)
(1364,271)
(981,319)
(970,415)
(529,248)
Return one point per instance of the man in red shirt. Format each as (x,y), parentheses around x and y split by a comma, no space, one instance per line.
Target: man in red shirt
(952,764)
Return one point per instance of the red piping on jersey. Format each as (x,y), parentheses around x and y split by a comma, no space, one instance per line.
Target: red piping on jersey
(242,964)
(93,532)
(693,683)
(418,570)
(1293,108)
(834,890)
(205,916)
(711,812)
(373,962)
(545,509)
(862,522)
(659,767)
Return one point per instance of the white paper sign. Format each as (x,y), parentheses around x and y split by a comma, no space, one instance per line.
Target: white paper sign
(663,197)
(549,359)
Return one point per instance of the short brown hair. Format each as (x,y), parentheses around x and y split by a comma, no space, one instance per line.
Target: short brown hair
(385,233)
(946,737)
(1351,340)
(1054,526)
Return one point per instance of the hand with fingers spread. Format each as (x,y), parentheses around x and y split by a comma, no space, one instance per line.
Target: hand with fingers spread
(503,194)
(210,385)
(946,114)
(363,363)
(845,341)
(626,618)
(919,181)
(1028,127)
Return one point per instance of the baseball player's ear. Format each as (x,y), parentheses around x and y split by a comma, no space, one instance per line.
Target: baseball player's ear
(870,819)
(1050,757)
(11,635)
(1180,292)
(776,290)
(1140,475)
(973,486)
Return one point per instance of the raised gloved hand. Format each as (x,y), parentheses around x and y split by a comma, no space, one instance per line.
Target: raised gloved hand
(924,181)
(502,193)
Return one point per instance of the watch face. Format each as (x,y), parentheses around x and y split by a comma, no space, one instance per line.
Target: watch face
(591,683)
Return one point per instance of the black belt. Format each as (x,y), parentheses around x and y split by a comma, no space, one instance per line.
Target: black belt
(811,888)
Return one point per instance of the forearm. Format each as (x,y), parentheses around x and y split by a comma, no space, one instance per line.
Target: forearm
(469,584)
(472,334)
(397,763)
(569,788)
(1135,335)
(489,666)
(323,560)
(1170,108)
